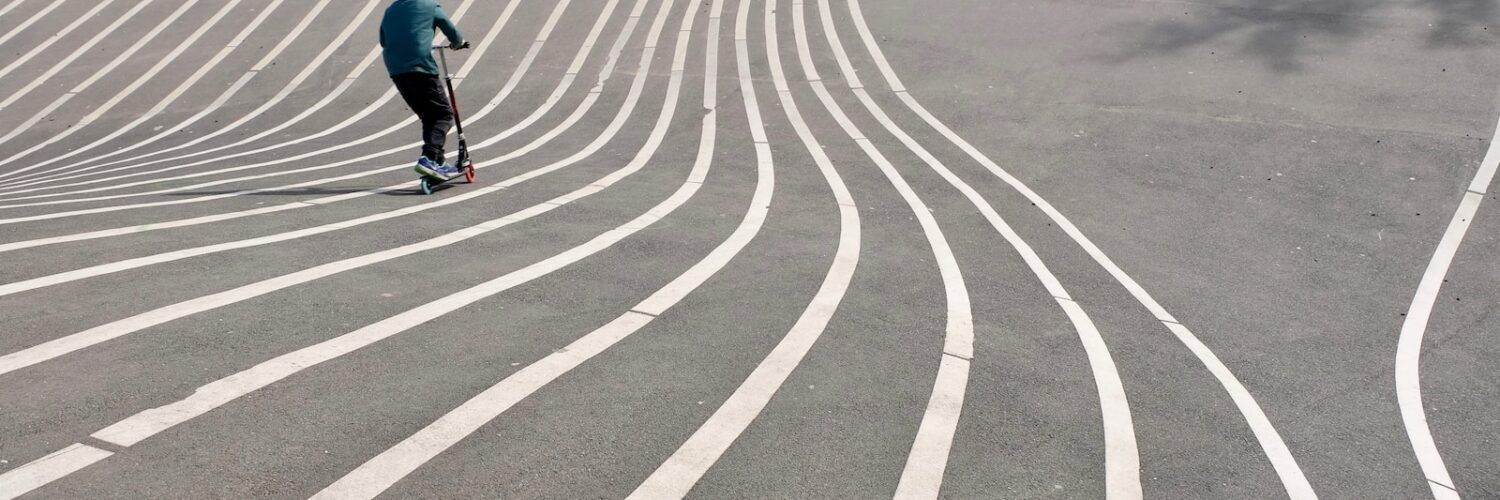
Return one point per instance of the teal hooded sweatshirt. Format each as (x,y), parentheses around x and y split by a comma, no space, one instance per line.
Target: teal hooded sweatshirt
(406,34)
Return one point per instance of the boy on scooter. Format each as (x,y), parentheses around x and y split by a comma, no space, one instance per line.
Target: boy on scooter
(406,34)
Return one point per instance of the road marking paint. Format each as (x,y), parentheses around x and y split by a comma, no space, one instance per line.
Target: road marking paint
(58,67)
(140,81)
(218,102)
(686,466)
(18,481)
(567,123)
(56,37)
(384,470)
(93,336)
(1292,478)
(30,20)
(6,10)
(286,91)
(1122,456)
(156,174)
(144,424)
(959,330)
(1414,328)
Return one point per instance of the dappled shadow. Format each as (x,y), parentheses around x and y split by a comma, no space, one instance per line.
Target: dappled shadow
(1283,33)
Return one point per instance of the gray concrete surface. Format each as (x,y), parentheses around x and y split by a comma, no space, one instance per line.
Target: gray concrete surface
(1276,174)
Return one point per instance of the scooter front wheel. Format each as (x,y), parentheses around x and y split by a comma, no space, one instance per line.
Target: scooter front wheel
(469,174)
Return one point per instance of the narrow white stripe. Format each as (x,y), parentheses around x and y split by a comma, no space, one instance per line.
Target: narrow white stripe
(156,174)
(1279,455)
(1414,328)
(103,333)
(41,471)
(56,37)
(65,61)
(677,475)
(30,20)
(286,91)
(218,102)
(1122,457)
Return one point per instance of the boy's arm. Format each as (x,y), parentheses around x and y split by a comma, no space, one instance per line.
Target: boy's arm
(440,20)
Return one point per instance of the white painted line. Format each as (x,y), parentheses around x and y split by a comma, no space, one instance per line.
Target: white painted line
(132,87)
(312,66)
(515,153)
(6,10)
(36,474)
(959,330)
(56,37)
(58,67)
(1292,478)
(1122,456)
(224,97)
(390,466)
(109,331)
(142,425)
(1414,328)
(30,20)
(156,173)
(677,475)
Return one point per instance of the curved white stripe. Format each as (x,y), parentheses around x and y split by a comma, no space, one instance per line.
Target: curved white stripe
(61,346)
(58,67)
(140,81)
(395,463)
(285,92)
(117,266)
(929,454)
(686,466)
(171,97)
(142,425)
(56,37)
(223,98)
(29,21)
(156,174)
(524,124)
(1280,456)
(1121,454)
(1414,328)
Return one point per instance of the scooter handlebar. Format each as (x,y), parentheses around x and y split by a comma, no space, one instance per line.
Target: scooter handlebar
(461,46)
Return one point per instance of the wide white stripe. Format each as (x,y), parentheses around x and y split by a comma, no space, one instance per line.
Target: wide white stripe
(686,466)
(958,339)
(36,474)
(1122,457)
(156,174)
(1279,455)
(142,425)
(30,20)
(9,7)
(224,97)
(390,466)
(556,96)
(63,63)
(286,91)
(1414,328)
(56,37)
(103,333)
(140,81)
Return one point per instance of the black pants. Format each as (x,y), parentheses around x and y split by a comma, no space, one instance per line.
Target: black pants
(428,98)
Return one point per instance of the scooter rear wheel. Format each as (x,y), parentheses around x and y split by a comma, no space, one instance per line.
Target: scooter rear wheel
(426,186)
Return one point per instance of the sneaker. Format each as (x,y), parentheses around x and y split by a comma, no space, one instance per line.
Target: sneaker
(427,168)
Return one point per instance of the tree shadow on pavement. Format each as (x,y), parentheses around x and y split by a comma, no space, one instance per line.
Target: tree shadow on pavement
(1284,33)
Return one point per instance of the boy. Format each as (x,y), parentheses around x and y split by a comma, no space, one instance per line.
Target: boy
(406,34)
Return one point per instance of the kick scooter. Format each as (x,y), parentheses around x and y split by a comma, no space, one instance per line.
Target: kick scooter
(429,183)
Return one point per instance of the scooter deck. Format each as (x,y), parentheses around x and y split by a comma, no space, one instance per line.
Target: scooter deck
(429,183)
